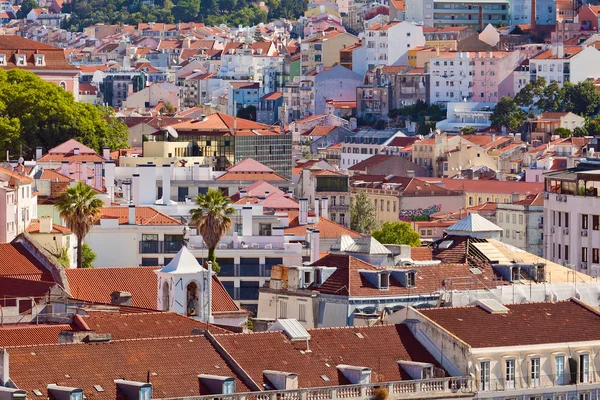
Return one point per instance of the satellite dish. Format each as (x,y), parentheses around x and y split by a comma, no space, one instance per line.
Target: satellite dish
(21,160)
(171,131)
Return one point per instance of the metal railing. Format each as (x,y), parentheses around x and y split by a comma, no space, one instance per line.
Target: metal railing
(160,246)
(446,387)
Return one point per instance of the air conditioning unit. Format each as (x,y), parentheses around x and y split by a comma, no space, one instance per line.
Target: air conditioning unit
(584,265)
(545,195)
(566,231)
(584,233)
(558,197)
(552,230)
(564,198)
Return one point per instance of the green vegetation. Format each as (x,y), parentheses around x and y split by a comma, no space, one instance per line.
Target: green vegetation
(362,213)
(397,233)
(580,98)
(61,254)
(34,113)
(212,219)
(426,115)
(80,208)
(212,12)
(26,7)
(247,113)
(507,113)
(88,256)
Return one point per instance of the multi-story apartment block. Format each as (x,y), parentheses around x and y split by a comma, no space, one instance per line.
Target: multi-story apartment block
(542,127)
(522,222)
(324,49)
(364,144)
(18,203)
(562,64)
(474,13)
(419,11)
(329,191)
(116,87)
(473,76)
(571,217)
(388,44)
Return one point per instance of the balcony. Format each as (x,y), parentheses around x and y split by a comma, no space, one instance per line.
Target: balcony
(453,387)
(339,207)
(160,246)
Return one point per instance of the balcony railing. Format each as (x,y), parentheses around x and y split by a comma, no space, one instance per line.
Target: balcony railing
(426,388)
(562,382)
(160,246)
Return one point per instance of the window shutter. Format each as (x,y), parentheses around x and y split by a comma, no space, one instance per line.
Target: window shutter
(573,368)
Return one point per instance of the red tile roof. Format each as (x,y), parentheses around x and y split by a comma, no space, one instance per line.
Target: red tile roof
(14,178)
(219,123)
(17,262)
(327,228)
(319,130)
(489,186)
(30,334)
(34,227)
(420,253)
(172,365)
(144,215)
(55,176)
(258,188)
(251,176)
(402,141)
(536,323)
(54,57)
(378,348)
(249,165)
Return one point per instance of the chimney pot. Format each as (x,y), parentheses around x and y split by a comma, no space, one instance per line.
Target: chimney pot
(76,151)
(131,215)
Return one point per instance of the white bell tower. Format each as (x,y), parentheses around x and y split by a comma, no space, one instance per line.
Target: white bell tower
(184,287)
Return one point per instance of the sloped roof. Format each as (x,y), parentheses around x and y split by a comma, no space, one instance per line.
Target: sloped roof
(249,165)
(367,245)
(474,223)
(17,262)
(30,334)
(34,227)
(184,262)
(69,146)
(144,215)
(327,228)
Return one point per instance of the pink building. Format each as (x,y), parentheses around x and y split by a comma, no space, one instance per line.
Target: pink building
(493,74)
(47,62)
(8,213)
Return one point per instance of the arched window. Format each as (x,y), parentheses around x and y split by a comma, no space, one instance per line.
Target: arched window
(165,296)
(63,85)
(192,299)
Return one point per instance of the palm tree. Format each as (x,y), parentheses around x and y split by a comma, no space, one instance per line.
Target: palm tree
(212,220)
(80,208)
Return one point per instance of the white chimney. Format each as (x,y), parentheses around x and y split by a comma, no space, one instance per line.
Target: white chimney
(38,152)
(196,172)
(317,208)
(76,151)
(290,194)
(303,215)
(109,179)
(131,218)
(89,181)
(98,175)
(315,245)
(554,50)
(64,168)
(166,184)
(208,307)
(242,194)
(247,221)
(560,51)
(147,189)
(267,193)
(127,191)
(135,190)
(106,153)
(4,371)
(45,224)
(325,207)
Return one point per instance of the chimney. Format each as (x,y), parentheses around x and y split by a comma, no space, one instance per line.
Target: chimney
(208,307)
(109,179)
(325,207)
(38,152)
(315,245)
(196,172)
(560,50)
(106,153)
(127,191)
(533,15)
(120,298)
(247,221)
(303,215)
(267,193)
(135,190)
(4,371)
(147,187)
(166,184)
(45,224)
(242,194)
(98,175)
(317,208)
(76,151)
(554,50)
(515,197)
(290,194)
(64,168)
(131,215)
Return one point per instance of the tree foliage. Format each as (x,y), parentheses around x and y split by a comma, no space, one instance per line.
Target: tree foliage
(563,132)
(80,208)
(507,113)
(212,218)
(397,233)
(34,113)
(581,98)
(26,7)
(362,213)
(247,113)
(88,256)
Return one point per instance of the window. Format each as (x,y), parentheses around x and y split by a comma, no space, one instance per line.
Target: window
(584,254)
(411,280)
(595,255)
(283,309)
(520,219)
(559,367)
(510,374)
(302,312)
(514,218)
(388,205)
(39,60)
(559,218)
(566,220)
(381,202)
(584,221)
(501,217)
(559,252)
(2,59)
(470,200)
(534,372)
(584,368)
(596,222)
(485,375)
(384,281)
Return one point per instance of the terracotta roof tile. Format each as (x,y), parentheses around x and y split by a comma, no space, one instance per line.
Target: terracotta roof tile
(327,228)
(52,175)
(421,253)
(536,323)
(489,186)
(143,216)
(34,227)
(17,262)
(30,334)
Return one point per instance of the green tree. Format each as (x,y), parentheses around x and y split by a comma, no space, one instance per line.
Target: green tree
(507,113)
(34,113)
(168,108)
(88,256)
(530,92)
(212,219)
(258,37)
(551,98)
(247,113)
(563,132)
(397,233)
(61,254)
(362,213)
(80,208)
(26,7)
(581,98)
(186,10)
(468,130)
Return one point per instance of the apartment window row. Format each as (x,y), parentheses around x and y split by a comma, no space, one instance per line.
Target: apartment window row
(508,216)
(585,222)
(595,255)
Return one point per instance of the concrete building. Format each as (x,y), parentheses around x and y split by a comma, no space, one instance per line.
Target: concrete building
(153,95)
(522,223)
(388,44)
(18,203)
(364,144)
(565,64)
(324,49)
(541,128)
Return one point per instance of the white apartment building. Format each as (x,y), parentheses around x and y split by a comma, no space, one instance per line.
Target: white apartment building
(19,203)
(364,144)
(248,64)
(572,217)
(388,44)
(522,223)
(566,64)
(420,11)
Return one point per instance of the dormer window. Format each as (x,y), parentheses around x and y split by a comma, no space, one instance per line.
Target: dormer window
(3,59)
(307,278)
(411,279)
(318,280)
(40,61)
(384,281)
(21,61)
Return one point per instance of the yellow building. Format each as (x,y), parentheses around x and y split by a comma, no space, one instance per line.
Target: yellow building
(324,48)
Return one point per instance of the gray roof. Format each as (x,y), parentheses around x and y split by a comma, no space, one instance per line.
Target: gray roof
(474,223)
(367,245)
(342,243)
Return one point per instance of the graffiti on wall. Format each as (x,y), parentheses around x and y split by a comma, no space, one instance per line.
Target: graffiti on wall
(420,214)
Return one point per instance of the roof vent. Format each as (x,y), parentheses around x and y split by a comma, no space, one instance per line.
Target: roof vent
(492,306)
